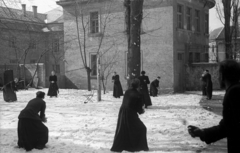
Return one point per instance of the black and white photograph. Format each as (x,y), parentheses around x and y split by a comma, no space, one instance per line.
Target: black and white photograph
(105,76)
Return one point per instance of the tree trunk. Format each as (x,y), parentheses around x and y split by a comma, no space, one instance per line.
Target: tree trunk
(98,78)
(24,73)
(104,88)
(89,78)
(227,28)
(134,51)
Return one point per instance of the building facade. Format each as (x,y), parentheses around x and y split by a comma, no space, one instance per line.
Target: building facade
(174,34)
(26,39)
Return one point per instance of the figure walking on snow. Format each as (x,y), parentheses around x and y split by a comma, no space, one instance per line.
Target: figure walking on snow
(228,127)
(144,81)
(117,87)
(32,133)
(53,88)
(130,133)
(154,87)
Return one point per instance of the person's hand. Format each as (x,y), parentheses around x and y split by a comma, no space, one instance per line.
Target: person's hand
(44,120)
(195,131)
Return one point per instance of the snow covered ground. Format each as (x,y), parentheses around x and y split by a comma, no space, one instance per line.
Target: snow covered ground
(75,127)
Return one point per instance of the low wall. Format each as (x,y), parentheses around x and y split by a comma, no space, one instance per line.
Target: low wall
(29,71)
(194,72)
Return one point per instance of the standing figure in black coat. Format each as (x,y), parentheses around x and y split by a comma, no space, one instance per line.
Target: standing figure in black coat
(229,126)
(53,88)
(9,91)
(154,86)
(208,85)
(131,132)
(204,82)
(117,87)
(32,133)
(144,81)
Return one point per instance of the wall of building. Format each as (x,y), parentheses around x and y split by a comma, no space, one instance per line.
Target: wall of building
(157,53)
(186,41)
(194,72)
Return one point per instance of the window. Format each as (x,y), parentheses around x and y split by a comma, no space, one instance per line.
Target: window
(12,42)
(56,68)
(33,44)
(13,61)
(180,56)
(189,18)
(94,22)
(55,45)
(180,16)
(206,23)
(93,64)
(197,20)
(206,56)
(197,57)
(33,61)
(190,57)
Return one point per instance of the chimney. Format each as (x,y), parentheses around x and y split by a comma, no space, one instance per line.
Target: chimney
(24,9)
(34,8)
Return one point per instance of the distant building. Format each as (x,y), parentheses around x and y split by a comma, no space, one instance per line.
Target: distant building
(175,33)
(24,38)
(217,52)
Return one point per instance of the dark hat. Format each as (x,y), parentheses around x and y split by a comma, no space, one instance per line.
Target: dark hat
(143,72)
(158,77)
(40,94)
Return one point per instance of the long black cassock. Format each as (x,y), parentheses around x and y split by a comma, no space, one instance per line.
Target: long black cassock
(209,86)
(32,133)
(229,126)
(144,81)
(154,88)
(130,132)
(117,87)
(53,88)
(9,92)
(204,82)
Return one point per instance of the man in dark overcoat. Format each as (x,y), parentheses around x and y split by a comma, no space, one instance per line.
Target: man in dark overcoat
(229,126)
(154,87)
(144,81)
(204,82)
(208,85)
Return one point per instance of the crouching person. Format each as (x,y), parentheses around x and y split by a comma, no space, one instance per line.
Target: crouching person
(32,133)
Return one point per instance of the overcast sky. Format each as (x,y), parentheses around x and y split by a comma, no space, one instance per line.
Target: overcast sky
(47,5)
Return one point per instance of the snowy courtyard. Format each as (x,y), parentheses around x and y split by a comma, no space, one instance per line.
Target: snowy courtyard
(75,127)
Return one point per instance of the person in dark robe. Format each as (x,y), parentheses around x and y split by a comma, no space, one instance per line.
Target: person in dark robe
(204,82)
(144,81)
(9,91)
(229,126)
(117,87)
(32,133)
(53,88)
(130,133)
(154,86)
(208,85)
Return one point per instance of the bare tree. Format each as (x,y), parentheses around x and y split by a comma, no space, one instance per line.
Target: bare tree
(229,15)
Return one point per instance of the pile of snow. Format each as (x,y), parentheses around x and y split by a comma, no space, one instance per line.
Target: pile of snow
(75,127)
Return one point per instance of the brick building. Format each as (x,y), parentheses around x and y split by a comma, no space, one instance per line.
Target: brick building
(174,34)
(25,37)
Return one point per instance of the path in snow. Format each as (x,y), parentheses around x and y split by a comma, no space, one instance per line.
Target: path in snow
(75,127)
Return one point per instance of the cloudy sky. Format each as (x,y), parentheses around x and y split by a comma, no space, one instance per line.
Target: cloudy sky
(46,5)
